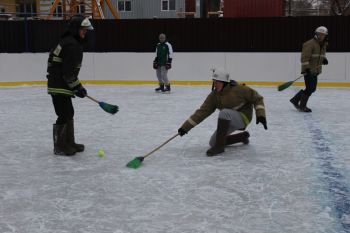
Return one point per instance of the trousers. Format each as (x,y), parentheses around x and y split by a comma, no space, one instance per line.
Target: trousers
(162,75)
(63,108)
(236,123)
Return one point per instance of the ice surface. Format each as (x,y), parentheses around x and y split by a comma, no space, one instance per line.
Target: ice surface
(294,177)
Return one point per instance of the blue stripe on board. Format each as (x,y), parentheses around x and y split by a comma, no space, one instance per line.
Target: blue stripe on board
(333,178)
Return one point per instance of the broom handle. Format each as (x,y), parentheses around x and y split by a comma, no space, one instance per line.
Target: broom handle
(95,100)
(161,145)
(298,78)
(303,74)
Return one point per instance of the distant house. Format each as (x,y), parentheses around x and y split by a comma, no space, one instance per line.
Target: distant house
(81,8)
(7,6)
(16,8)
(147,9)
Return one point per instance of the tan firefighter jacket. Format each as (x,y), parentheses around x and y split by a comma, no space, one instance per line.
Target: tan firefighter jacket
(312,56)
(237,97)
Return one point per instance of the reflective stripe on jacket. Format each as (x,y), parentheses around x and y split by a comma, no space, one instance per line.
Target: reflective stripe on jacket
(237,97)
(63,66)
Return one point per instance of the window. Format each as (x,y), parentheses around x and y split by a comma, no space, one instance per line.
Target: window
(81,7)
(26,9)
(168,5)
(124,5)
(58,11)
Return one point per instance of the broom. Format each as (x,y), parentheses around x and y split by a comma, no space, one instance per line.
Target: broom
(285,85)
(112,109)
(136,162)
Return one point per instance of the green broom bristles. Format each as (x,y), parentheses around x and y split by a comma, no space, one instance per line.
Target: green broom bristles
(112,109)
(285,85)
(288,84)
(135,163)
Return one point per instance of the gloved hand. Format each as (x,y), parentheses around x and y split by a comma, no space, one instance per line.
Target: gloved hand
(168,64)
(155,65)
(80,91)
(262,120)
(325,61)
(181,132)
(306,72)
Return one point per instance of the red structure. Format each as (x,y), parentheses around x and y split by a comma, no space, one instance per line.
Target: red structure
(253,8)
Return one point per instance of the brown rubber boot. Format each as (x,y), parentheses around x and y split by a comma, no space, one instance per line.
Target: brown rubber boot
(59,141)
(71,139)
(303,102)
(221,135)
(296,99)
(238,137)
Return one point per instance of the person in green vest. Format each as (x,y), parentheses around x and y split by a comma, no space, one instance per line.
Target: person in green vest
(162,63)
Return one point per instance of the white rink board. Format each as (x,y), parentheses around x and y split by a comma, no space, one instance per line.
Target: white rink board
(186,66)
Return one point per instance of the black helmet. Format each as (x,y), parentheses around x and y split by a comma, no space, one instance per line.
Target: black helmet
(77,22)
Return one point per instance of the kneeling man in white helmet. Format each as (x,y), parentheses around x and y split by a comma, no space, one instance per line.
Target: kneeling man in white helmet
(235,103)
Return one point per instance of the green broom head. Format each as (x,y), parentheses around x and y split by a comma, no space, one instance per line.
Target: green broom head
(135,163)
(285,85)
(112,109)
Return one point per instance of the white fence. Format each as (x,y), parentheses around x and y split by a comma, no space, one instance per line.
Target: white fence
(256,67)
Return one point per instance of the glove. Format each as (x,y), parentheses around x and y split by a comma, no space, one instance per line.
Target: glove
(168,64)
(325,61)
(80,91)
(181,132)
(155,65)
(306,72)
(262,120)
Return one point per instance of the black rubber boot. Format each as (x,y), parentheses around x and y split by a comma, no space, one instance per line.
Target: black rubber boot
(303,102)
(296,99)
(221,135)
(160,88)
(167,89)
(71,139)
(237,138)
(59,141)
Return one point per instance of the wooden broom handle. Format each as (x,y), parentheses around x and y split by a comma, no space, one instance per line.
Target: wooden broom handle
(95,100)
(161,145)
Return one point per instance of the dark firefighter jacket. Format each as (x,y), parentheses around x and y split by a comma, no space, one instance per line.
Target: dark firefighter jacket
(64,65)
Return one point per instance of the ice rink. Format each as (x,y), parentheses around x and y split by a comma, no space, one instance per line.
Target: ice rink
(292,178)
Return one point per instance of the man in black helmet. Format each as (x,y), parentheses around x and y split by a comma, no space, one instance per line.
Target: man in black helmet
(63,68)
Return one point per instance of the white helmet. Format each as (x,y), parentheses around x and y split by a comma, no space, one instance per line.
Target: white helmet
(220,74)
(86,24)
(322,29)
